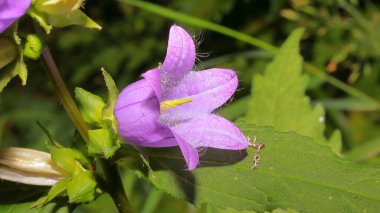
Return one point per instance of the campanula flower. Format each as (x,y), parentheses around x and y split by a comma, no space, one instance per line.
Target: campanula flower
(173,106)
(11,10)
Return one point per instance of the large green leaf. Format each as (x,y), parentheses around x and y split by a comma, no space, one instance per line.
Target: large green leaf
(278,96)
(295,172)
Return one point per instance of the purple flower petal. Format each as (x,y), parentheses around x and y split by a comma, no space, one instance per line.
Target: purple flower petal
(179,60)
(208,89)
(137,112)
(11,10)
(211,131)
(189,152)
(153,78)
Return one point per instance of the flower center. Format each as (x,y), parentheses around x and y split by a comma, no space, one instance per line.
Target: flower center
(173,103)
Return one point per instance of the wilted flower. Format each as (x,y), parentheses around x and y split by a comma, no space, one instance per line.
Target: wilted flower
(172,105)
(8,51)
(58,7)
(11,10)
(28,166)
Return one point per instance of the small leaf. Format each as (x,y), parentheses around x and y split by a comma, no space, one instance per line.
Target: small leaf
(102,142)
(90,105)
(81,188)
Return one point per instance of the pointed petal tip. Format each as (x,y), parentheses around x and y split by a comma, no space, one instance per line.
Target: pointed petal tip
(180,56)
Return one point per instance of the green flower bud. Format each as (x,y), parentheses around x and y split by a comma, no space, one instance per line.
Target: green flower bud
(58,7)
(8,51)
(33,46)
(90,105)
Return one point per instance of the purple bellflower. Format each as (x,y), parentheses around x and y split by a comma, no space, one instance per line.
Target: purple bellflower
(173,106)
(11,10)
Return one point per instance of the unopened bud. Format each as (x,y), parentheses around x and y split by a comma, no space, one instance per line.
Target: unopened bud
(28,166)
(8,51)
(58,7)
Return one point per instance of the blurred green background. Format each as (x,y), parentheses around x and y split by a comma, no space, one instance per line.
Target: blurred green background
(341,37)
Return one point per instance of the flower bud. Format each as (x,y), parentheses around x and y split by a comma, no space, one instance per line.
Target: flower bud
(8,52)
(28,166)
(58,7)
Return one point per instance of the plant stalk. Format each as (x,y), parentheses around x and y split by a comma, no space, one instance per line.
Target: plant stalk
(116,189)
(64,94)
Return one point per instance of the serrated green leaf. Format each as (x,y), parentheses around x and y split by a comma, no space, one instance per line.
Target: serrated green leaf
(113,93)
(278,96)
(81,188)
(295,172)
(102,142)
(91,106)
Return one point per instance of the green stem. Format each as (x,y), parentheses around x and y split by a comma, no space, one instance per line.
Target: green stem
(64,94)
(116,189)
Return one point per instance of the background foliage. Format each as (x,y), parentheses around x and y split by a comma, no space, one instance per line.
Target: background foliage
(340,37)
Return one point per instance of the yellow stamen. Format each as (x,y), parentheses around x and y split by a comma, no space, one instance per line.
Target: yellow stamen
(173,103)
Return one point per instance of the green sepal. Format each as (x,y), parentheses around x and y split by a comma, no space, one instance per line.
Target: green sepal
(58,190)
(17,67)
(69,159)
(103,142)
(33,46)
(90,105)
(80,184)
(48,21)
(113,93)
(82,187)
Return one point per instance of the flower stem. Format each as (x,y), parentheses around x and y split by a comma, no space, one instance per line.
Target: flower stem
(64,94)
(116,189)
